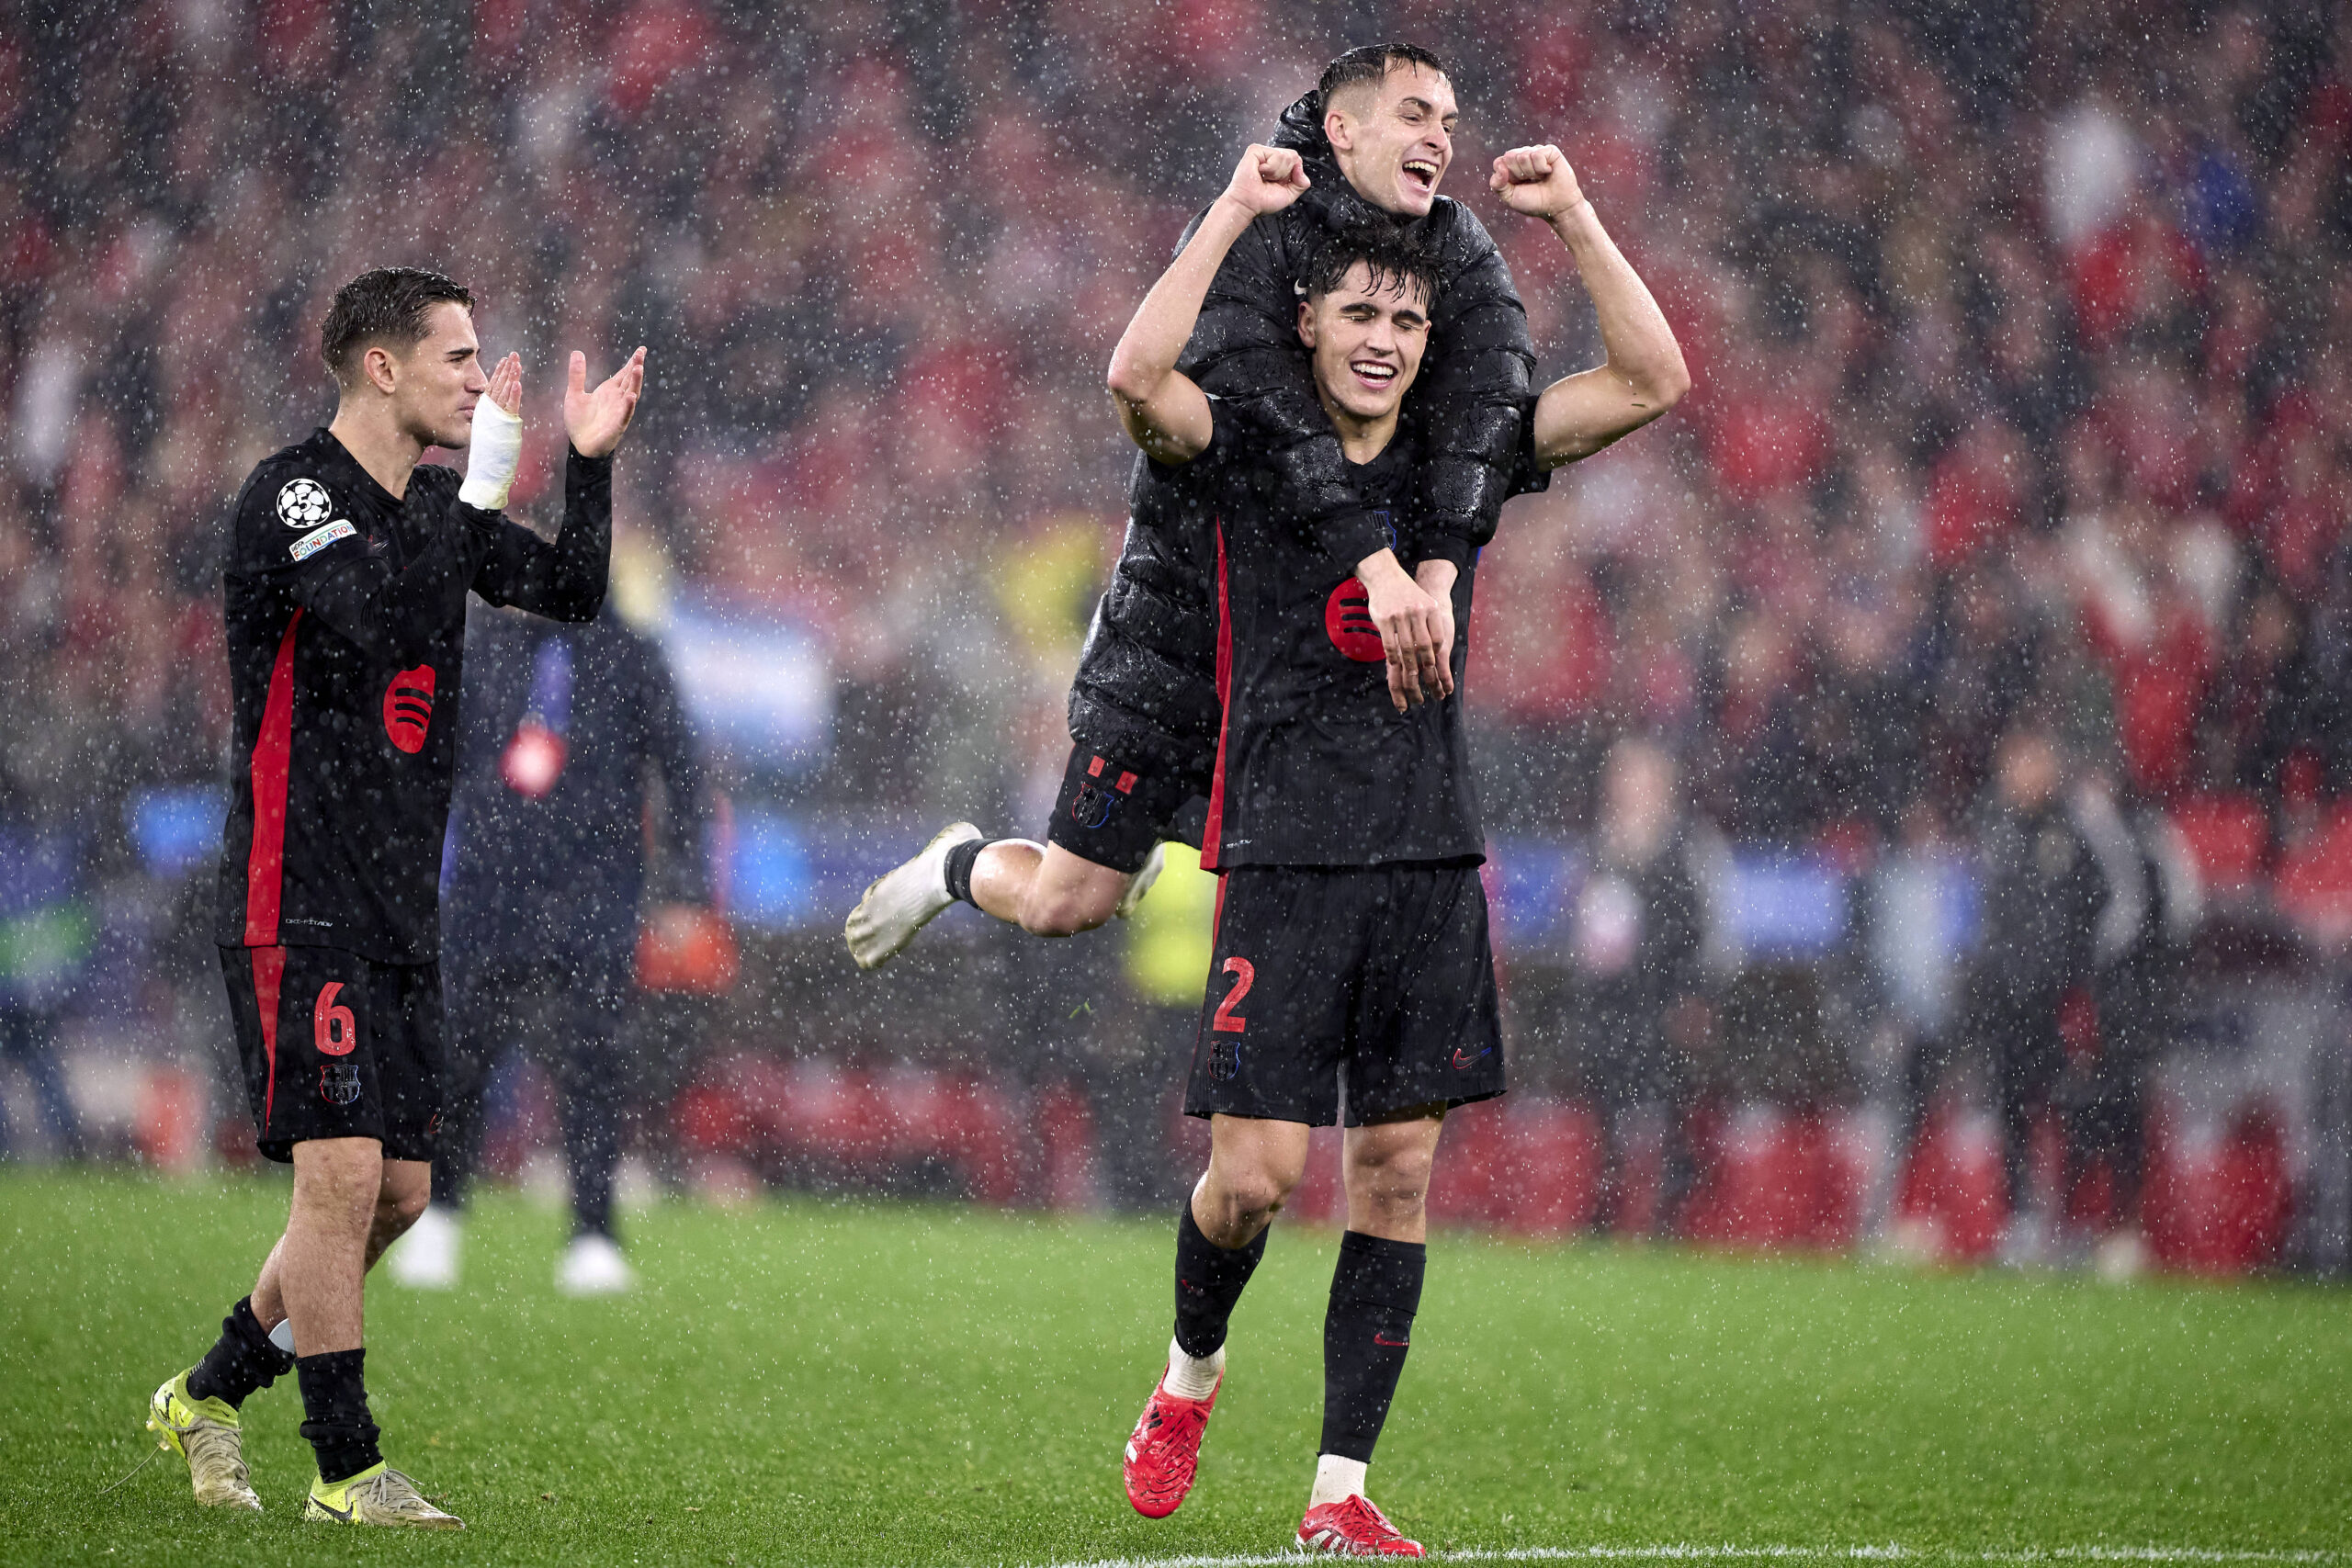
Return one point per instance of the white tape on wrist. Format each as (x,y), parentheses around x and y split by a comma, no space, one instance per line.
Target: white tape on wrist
(491,461)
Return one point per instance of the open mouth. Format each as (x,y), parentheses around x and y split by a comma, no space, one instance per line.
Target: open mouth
(1376,374)
(1421,173)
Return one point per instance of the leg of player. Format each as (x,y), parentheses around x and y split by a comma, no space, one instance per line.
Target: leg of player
(1043,888)
(350,1203)
(1220,1237)
(1104,854)
(1375,1291)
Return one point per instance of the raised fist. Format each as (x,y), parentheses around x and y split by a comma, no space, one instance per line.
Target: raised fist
(1267,179)
(1536,180)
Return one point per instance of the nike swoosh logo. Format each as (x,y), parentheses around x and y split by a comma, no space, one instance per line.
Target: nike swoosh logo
(328,1509)
(1379,1339)
(1462,1062)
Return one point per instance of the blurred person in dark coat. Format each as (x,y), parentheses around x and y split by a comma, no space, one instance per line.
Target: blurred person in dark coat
(2151,905)
(565,729)
(1637,940)
(2042,890)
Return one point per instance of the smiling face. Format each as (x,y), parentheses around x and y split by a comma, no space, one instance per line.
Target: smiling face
(1395,139)
(437,381)
(1367,339)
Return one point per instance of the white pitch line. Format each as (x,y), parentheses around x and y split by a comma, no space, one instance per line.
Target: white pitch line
(1688,1552)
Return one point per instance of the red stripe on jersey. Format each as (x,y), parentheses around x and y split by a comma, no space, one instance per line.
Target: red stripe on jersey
(269,970)
(273,754)
(1214,828)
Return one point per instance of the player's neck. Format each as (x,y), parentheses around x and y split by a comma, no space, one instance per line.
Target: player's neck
(1348,172)
(379,445)
(1361,439)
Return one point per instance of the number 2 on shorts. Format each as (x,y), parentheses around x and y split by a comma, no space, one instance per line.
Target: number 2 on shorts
(333,1027)
(1245,974)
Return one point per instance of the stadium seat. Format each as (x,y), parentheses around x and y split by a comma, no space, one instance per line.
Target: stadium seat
(1066,1147)
(2315,884)
(1549,1167)
(2217,1199)
(173,1107)
(2228,838)
(1951,1185)
(1779,1179)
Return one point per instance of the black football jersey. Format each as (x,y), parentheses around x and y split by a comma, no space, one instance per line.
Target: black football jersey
(345,609)
(1314,765)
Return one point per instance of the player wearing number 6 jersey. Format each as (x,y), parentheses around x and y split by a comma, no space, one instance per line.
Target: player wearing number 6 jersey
(346,599)
(1351,978)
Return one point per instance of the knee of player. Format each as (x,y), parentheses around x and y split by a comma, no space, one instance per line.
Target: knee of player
(1399,1181)
(1261,1192)
(402,1209)
(1060,914)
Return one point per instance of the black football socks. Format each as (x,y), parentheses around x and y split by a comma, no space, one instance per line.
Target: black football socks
(1208,1282)
(240,1361)
(1375,1291)
(959,868)
(335,1400)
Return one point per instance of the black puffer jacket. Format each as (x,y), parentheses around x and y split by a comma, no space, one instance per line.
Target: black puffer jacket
(1146,691)
(1146,688)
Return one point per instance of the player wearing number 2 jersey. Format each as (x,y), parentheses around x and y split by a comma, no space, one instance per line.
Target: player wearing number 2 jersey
(346,601)
(1351,977)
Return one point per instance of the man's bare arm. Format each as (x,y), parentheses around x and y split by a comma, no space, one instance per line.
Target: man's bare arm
(1643,375)
(1159,407)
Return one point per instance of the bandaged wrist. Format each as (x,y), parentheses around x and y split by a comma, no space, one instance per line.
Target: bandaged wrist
(491,461)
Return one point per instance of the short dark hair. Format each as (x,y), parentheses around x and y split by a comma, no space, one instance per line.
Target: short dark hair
(1397,257)
(384,304)
(1371,64)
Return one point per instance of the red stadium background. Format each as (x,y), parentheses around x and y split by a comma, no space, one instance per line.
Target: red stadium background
(2023,353)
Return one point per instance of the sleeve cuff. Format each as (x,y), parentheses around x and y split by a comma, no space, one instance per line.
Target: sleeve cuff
(1447,547)
(1353,537)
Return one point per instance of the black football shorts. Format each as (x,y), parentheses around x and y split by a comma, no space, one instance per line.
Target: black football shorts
(335,1047)
(1112,814)
(1347,993)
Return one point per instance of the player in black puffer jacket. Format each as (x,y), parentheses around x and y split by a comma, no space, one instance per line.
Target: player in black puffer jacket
(1375,138)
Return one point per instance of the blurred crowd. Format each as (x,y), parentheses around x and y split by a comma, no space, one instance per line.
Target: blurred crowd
(2021,337)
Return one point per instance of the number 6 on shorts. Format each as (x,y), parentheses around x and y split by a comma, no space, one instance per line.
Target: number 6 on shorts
(333,1027)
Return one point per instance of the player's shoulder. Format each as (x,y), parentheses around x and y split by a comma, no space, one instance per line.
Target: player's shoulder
(1457,236)
(436,481)
(295,504)
(301,486)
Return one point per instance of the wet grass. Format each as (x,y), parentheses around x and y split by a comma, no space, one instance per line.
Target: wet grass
(818,1382)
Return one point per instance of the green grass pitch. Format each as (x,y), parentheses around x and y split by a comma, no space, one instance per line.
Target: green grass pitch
(802,1382)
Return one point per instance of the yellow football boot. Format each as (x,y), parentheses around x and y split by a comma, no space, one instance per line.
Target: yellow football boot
(377,1495)
(205,1433)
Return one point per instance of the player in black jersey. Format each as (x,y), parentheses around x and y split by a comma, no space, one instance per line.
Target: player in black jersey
(348,570)
(1351,977)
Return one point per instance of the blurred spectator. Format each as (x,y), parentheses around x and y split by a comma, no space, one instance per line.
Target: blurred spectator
(1637,997)
(2042,896)
(2150,907)
(572,753)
